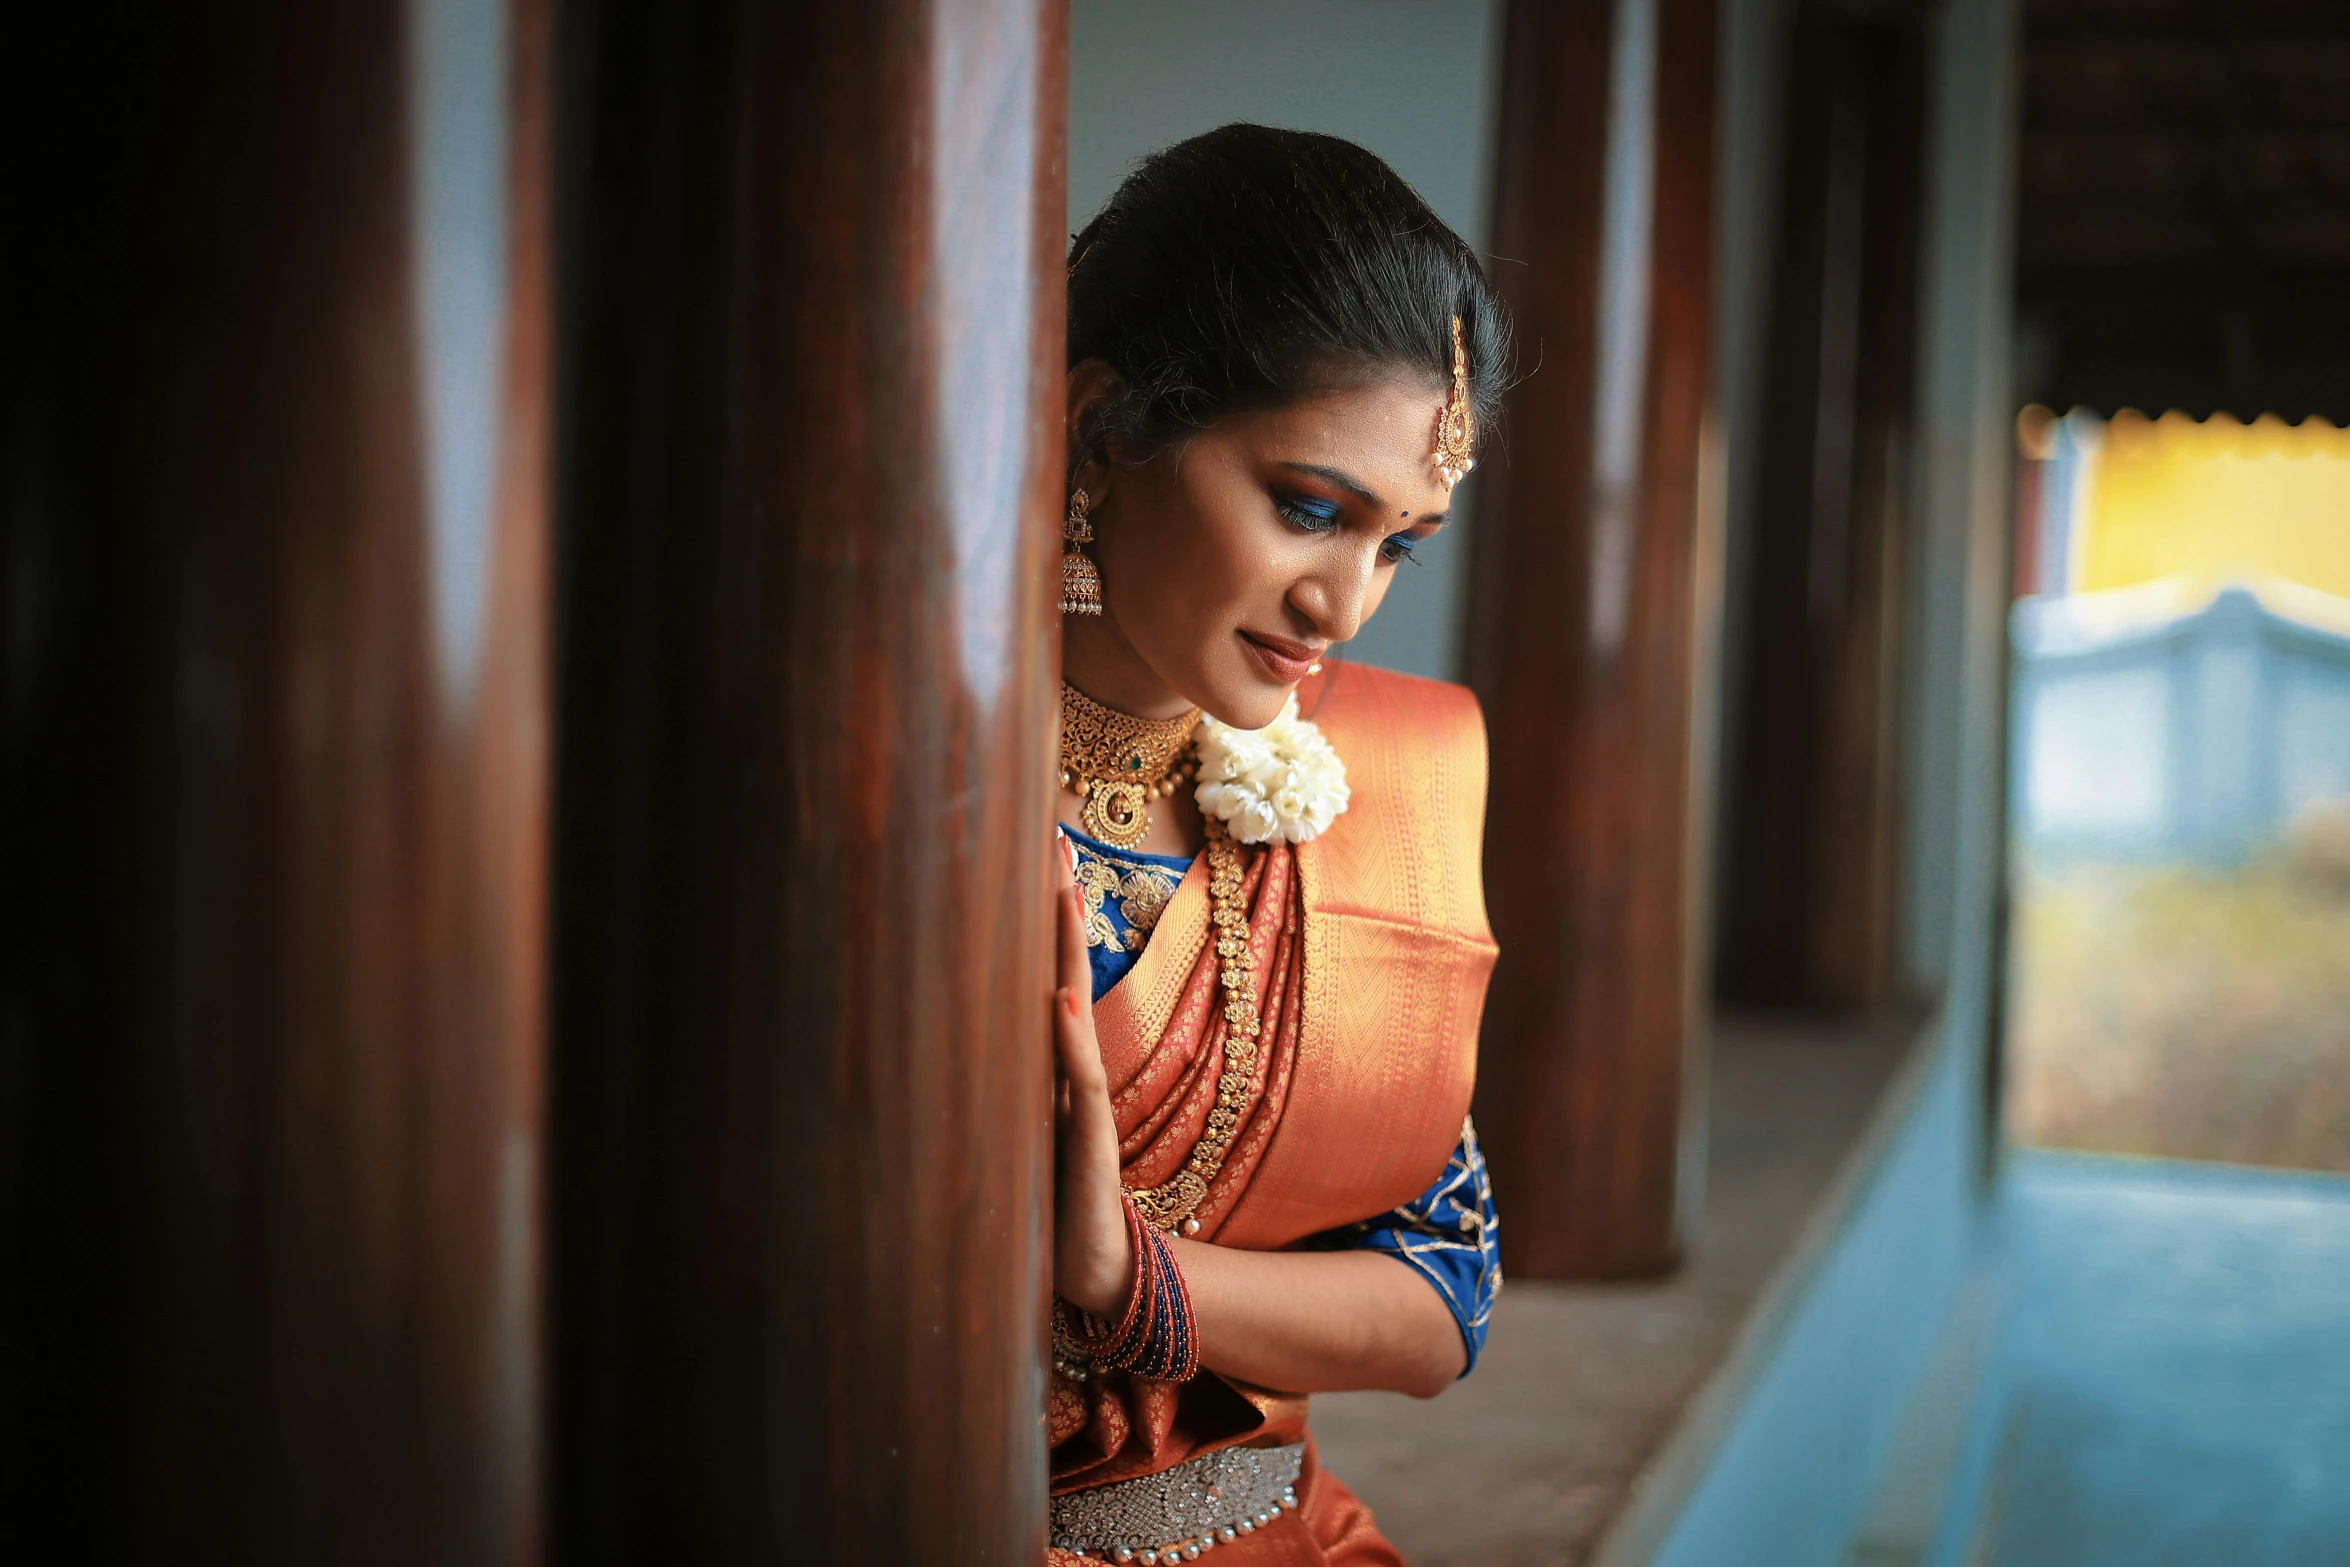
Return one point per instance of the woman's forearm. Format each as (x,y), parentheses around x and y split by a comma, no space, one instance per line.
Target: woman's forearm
(1320,1322)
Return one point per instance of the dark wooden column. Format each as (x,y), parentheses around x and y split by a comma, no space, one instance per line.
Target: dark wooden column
(1814,836)
(811,470)
(276,717)
(1583,628)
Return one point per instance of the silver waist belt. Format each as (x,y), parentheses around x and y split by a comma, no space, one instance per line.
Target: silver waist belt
(1179,1514)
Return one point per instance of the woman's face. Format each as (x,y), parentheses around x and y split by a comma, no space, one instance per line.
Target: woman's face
(1231,561)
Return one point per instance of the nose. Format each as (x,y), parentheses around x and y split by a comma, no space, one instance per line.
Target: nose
(1335,598)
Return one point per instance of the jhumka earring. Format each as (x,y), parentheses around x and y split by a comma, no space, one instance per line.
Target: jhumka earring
(1456,427)
(1081,583)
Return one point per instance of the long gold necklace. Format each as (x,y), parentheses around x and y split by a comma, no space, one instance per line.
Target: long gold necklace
(1120,764)
(1169,1204)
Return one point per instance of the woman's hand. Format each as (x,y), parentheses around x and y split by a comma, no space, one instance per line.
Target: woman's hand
(1093,1258)
(1305,1321)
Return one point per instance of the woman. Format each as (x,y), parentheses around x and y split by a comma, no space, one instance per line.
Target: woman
(1274,947)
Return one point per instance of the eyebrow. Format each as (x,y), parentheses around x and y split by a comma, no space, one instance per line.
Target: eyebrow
(1345,481)
(1355,487)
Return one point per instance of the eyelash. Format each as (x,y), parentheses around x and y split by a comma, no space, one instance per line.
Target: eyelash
(1307,519)
(1303,517)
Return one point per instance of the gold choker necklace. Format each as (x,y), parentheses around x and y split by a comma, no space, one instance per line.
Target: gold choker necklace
(1120,764)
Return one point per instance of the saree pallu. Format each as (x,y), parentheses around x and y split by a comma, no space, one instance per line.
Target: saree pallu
(1372,952)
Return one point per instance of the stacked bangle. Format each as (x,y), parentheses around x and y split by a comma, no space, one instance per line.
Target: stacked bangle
(1158,1337)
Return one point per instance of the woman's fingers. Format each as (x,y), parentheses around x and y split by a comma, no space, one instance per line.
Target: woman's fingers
(1075,971)
(1089,1137)
(1093,1262)
(1093,1259)
(1089,1116)
(1081,1056)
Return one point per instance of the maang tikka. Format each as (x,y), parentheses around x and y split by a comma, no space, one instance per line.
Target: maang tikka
(1456,427)
(1081,583)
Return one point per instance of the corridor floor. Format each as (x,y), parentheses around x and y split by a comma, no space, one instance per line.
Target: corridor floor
(2173,1382)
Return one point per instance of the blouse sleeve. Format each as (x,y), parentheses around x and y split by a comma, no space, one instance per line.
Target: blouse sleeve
(1451,1234)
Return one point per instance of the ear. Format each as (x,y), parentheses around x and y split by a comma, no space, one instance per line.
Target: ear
(1093,386)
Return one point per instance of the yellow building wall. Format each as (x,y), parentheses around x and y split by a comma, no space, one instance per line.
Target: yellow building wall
(2215,502)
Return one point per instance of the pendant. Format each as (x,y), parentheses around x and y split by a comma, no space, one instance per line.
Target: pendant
(1116,813)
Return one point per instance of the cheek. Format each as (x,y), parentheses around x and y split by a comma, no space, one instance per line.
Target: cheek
(1196,556)
(1246,558)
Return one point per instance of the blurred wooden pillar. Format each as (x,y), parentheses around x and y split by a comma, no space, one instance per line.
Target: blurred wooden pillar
(1814,836)
(1588,584)
(812,460)
(276,721)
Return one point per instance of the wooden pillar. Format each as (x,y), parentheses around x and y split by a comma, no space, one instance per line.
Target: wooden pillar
(811,469)
(1814,840)
(1587,591)
(276,719)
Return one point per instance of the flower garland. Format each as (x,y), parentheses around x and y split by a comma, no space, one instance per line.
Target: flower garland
(1282,783)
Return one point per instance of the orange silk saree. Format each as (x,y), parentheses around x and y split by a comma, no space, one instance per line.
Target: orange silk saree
(1372,952)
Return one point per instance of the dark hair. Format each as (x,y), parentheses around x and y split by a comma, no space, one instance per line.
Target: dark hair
(1248,266)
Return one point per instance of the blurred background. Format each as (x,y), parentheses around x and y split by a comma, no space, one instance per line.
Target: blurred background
(2181,787)
(529,666)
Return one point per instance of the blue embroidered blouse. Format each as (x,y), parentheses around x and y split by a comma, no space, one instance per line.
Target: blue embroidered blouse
(1449,1234)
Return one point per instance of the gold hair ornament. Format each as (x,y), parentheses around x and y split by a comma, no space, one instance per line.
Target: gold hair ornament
(1456,428)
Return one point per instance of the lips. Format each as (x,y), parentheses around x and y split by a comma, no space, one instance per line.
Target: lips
(1284,660)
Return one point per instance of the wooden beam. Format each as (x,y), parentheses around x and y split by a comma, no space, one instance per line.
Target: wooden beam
(1588,602)
(275,783)
(812,468)
(1814,837)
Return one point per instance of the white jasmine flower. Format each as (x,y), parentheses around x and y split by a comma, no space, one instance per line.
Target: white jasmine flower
(1279,783)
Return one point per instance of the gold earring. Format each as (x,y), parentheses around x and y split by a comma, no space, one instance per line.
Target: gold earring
(1081,583)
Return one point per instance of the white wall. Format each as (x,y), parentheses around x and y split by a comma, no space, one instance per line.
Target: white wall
(1409,79)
